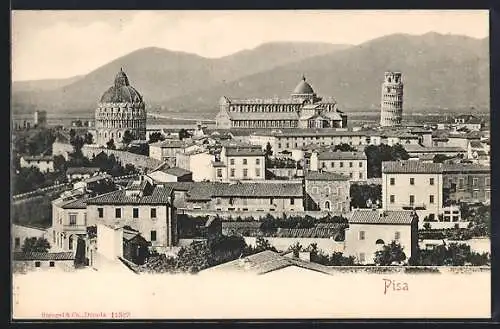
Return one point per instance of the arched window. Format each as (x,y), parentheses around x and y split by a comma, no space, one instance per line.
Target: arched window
(327,205)
(379,241)
(70,242)
(327,190)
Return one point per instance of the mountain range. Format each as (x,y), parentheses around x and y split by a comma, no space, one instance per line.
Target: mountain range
(440,72)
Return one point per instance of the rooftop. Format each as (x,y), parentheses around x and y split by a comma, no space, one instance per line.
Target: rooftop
(82,170)
(176,171)
(338,155)
(410,167)
(465,168)
(315,232)
(158,195)
(232,151)
(37,157)
(432,149)
(325,175)
(383,217)
(25,256)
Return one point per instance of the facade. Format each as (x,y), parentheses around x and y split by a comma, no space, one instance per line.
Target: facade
(44,260)
(241,163)
(198,162)
(78,173)
(467,183)
(369,230)
(351,164)
(22,232)
(327,191)
(144,207)
(44,163)
(413,185)
(69,221)
(170,175)
(303,110)
(415,151)
(468,121)
(167,150)
(121,108)
(391,107)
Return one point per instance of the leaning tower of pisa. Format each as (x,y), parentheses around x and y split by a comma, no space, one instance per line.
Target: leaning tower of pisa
(391,106)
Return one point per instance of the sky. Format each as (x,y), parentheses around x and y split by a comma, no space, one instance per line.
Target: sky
(61,44)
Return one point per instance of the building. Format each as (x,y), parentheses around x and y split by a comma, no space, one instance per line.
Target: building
(169,175)
(167,150)
(245,162)
(415,151)
(370,230)
(270,263)
(198,162)
(351,164)
(327,191)
(121,108)
(469,183)
(391,107)
(468,121)
(135,246)
(69,221)
(79,173)
(22,232)
(44,260)
(44,163)
(144,207)
(413,185)
(303,110)
(40,119)
(61,146)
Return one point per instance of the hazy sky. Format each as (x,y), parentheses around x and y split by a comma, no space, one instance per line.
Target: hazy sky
(59,44)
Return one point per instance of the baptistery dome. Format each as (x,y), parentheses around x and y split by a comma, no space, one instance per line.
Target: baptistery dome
(121,108)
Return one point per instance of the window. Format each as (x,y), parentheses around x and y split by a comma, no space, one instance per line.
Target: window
(17,242)
(341,164)
(244,161)
(327,205)
(100,212)
(397,235)
(153,212)
(232,172)
(52,264)
(431,181)
(292,201)
(487,194)
(279,145)
(360,175)
(392,199)
(37,264)
(412,181)
(361,235)
(85,219)
(315,190)
(332,164)
(475,195)
(350,174)
(257,172)
(218,201)
(231,161)
(287,145)
(431,199)
(412,199)
(327,190)
(362,257)
(323,164)
(72,219)
(118,212)
(474,182)
(361,164)
(350,164)
(231,201)
(461,183)
(487,181)
(219,172)
(271,201)
(245,172)
(135,212)
(393,181)
(153,235)
(257,162)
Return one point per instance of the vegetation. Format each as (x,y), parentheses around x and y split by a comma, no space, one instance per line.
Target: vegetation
(33,142)
(183,133)
(36,245)
(390,254)
(282,163)
(335,259)
(452,254)
(127,137)
(364,196)
(344,148)
(268,151)
(261,244)
(156,137)
(111,144)
(376,154)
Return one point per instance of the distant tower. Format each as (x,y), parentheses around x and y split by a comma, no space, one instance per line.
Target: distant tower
(391,109)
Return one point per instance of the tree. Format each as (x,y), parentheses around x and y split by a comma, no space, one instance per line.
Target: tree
(111,144)
(427,226)
(296,248)
(344,148)
(362,195)
(59,163)
(77,142)
(338,259)
(36,245)
(80,253)
(194,258)
(183,133)
(127,137)
(268,150)
(376,154)
(390,254)
(156,137)
(440,158)
(88,139)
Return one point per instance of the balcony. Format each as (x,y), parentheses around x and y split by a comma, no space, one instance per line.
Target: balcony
(74,228)
(414,206)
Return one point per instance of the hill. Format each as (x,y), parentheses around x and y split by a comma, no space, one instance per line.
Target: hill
(440,72)
(160,75)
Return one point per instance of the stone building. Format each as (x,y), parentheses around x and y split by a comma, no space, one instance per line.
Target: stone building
(327,191)
(303,110)
(391,107)
(352,164)
(467,182)
(121,108)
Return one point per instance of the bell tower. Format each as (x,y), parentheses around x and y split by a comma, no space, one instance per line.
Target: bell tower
(391,105)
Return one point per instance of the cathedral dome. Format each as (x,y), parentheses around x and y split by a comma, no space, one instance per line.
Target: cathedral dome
(303,88)
(121,91)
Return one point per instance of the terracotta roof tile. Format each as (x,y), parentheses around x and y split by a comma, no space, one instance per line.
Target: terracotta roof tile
(330,155)
(24,256)
(325,175)
(411,167)
(382,217)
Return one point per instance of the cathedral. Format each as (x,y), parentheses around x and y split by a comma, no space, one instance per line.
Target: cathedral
(303,110)
(121,108)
